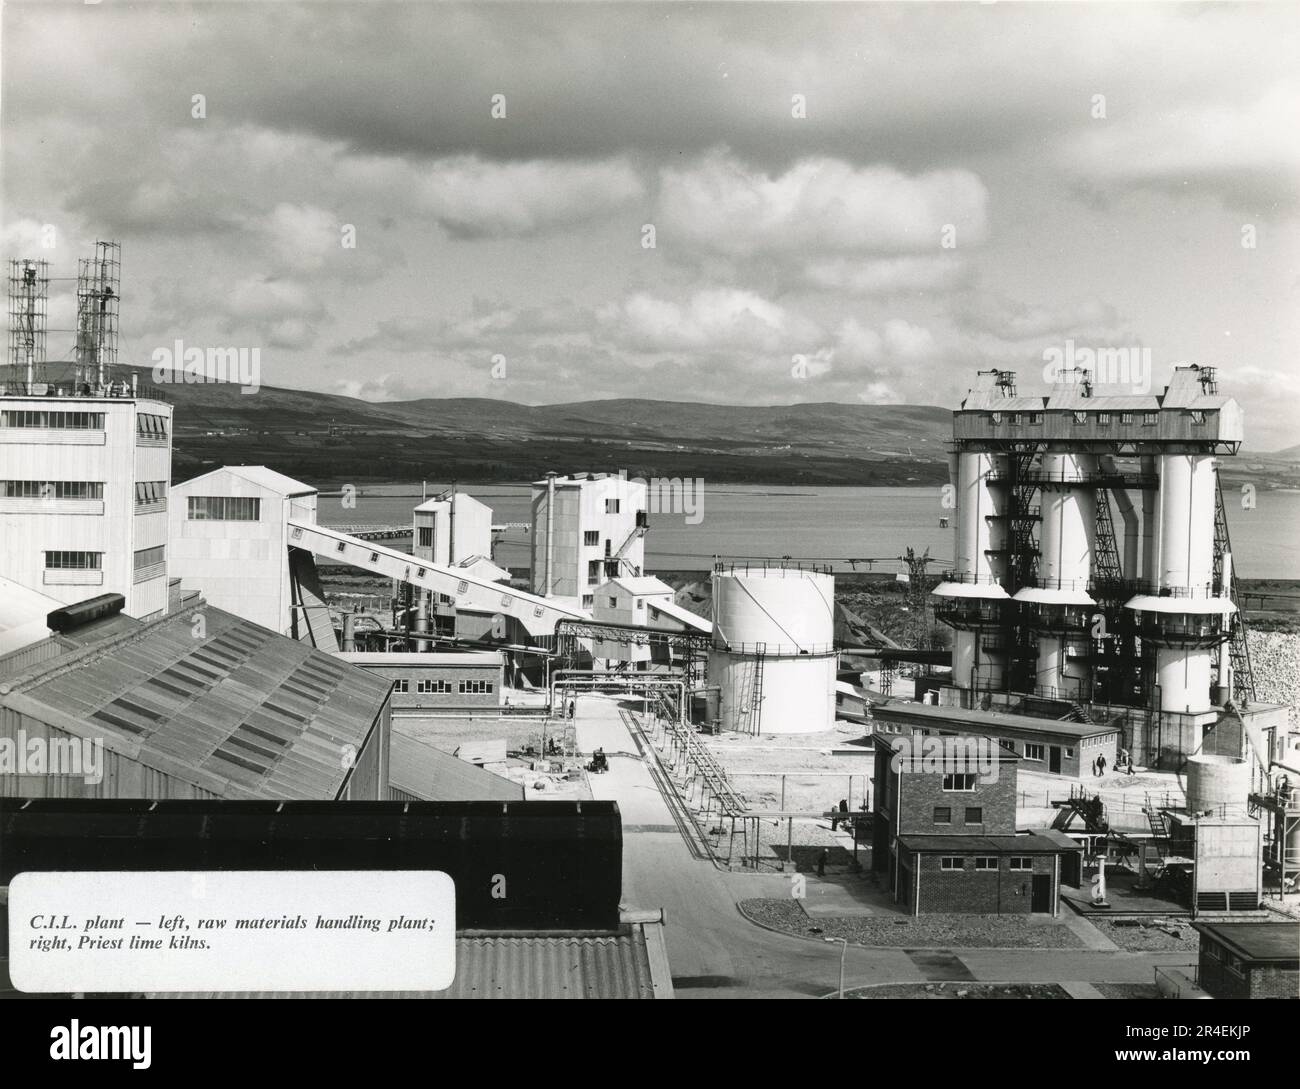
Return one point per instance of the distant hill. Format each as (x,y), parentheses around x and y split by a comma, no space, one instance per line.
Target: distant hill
(330,439)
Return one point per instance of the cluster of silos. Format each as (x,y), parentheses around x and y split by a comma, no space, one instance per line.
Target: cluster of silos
(972,595)
(1183,613)
(1059,608)
(773,656)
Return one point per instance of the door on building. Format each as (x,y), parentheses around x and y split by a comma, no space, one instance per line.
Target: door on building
(1054,759)
(1040,899)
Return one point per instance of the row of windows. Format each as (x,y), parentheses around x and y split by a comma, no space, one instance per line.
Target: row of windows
(53,489)
(150,491)
(962,781)
(147,424)
(223,508)
(943,814)
(444,687)
(74,561)
(150,557)
(1081,417)
(52,419)
(986,862)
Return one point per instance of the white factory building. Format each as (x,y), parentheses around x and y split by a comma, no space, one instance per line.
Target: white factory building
(452,528)
(773,658)
(83,492)
(229,540)
(586,528)
(643,602)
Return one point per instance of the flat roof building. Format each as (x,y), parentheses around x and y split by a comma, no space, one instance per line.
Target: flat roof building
(1250,959)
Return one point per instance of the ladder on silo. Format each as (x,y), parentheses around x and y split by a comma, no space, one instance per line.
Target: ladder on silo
(750,701)
(1243,679)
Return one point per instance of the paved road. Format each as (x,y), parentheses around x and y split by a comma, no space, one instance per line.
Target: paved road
(715,952)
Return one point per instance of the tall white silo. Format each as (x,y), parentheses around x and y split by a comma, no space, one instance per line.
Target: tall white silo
(1060,606)
(971,598)
(1187,615)
(773,648)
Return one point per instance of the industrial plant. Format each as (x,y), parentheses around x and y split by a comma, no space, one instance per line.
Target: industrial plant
(742,715)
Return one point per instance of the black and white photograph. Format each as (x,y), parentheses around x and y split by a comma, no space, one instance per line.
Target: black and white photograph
(651,500)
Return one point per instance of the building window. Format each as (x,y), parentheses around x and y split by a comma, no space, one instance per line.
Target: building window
(1198,417)
(1149,419)
(1033,752)
(588,600)
(1069,752)
(435,687)
(1126,417)
(150,557)
(149,426)
(952,862)
(611,506)
(53,489)
(150,491)
(997,418)
(613,603)
(424,537)
(341,546)
(403,685)
(74,561)
(1015,419)
(591,538)
(593,572)
(974,814)
(942,814)
(1020,862)
(964,781)
(1103,418)
(1080,417)
(476,688)
(224,508)
(1035,417)
(986,862)
(54,421)
(641,605)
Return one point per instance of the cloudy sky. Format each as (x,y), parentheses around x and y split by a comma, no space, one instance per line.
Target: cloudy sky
(848,202)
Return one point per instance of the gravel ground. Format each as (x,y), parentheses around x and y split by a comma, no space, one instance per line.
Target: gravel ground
(1275,662)
(1128,990)
(1149,937)
(944,931)
(960,990)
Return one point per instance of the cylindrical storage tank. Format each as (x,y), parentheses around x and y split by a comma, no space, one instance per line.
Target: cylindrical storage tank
(1069,525)
(1150,469)
(980,522)
(1220,784)
(773,649)
(796,695)
(789,609)
(1185,548)
(1184,676)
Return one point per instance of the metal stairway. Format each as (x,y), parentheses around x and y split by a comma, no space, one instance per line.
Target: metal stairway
(1243,679)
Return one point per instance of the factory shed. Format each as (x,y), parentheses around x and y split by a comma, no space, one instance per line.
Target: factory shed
(980,874)
(199,704)
(1059,746)
(420,773)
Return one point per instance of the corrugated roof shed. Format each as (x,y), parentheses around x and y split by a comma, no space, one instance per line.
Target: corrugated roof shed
(226,705)
(435,776)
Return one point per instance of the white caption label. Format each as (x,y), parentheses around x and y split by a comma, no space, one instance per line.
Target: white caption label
(237,930)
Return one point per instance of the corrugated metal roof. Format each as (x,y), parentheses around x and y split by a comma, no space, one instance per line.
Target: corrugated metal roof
(435,776)
(477,658)
(238,710)
(579,965)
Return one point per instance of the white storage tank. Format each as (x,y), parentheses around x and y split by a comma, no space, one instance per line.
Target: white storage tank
(1217,784)
(773,648)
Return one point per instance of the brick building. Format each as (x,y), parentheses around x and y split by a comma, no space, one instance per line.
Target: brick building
(946,841)
(1250,959)
(435,681)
